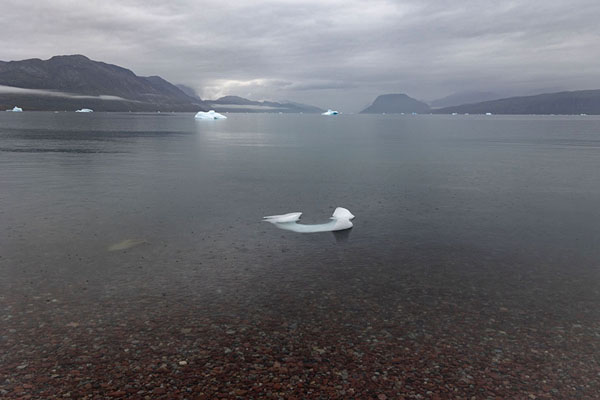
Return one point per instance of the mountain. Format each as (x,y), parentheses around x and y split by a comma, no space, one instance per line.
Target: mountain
(395,104)
(575,102)
(240,104)
(464,98)
(75,81)
(189,91)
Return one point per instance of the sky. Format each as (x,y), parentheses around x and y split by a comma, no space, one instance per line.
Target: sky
(337,54)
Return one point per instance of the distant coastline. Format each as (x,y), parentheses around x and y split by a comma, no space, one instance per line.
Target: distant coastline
(72,82)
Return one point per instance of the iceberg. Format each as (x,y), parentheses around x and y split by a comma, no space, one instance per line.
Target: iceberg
(330,112)
(16,109)
(488,114)
(209,115)
(339,221)
(85,110)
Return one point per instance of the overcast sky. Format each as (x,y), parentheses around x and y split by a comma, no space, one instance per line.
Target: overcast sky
(338,54)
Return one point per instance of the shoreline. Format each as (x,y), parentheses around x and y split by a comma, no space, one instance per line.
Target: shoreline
(383,342)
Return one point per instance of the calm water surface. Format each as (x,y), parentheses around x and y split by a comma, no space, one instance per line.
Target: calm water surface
(73,185)
(457,216)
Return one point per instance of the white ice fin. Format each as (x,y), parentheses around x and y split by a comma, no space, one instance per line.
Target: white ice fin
(339,221)
(209,115)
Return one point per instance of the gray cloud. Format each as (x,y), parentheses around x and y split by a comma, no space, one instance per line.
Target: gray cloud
(329,53)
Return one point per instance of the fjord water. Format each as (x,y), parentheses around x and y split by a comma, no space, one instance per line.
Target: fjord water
(475,238)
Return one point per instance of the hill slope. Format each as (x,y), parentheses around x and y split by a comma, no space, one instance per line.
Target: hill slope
(460,98)
(575,102)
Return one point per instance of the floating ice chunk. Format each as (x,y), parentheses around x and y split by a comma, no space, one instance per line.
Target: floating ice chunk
(330,112)
(342,213)
(339,221)
(16,109)
(209,115)
(279,219)
(488,114)
(85,110)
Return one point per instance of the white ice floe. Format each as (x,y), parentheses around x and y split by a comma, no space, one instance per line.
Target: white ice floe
(330,112)
(339,221)
(209,115)
(16,109)
(85,110)
(488,114)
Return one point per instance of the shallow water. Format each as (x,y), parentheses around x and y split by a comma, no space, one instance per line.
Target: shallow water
(463,223)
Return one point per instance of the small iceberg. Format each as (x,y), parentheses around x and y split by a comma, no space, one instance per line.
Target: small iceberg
(15,109)
(339,221)
(209,115)
(488,114)
(85,110)
(330,112)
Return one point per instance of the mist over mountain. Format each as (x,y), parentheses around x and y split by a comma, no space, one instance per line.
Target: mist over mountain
(573,102)
(74,81)
(189,91)
(240,104)
(396,104)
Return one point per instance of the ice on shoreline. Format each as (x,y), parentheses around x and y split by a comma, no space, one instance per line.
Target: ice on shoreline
(330,112)
(209,115)
(339,221)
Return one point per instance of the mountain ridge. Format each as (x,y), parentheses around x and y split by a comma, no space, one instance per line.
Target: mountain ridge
(60,81)
(240,104)
(467,97)
(565,102)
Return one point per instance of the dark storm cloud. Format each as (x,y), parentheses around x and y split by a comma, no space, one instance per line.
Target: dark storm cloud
(330,53)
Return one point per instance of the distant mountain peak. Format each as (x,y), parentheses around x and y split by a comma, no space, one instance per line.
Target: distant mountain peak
(233,103)
(71,57)
(232,97)
(395,103)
